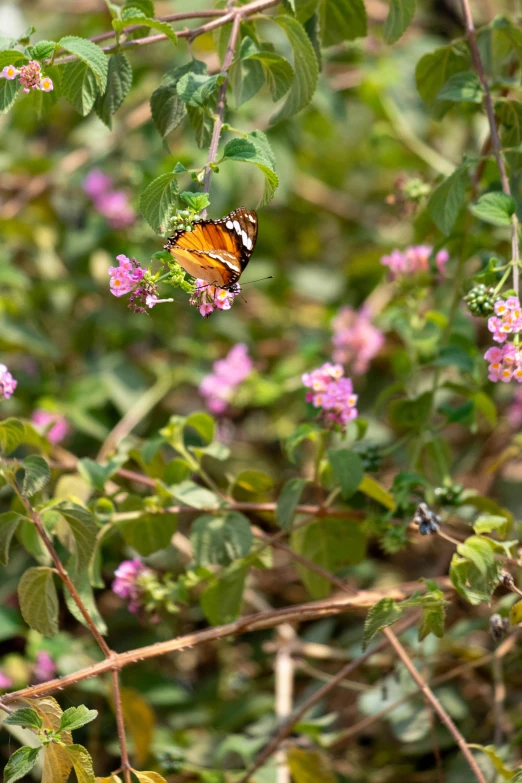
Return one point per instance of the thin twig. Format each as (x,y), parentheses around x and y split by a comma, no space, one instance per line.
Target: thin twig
(118,708)
(495,140)
(284,667)
(255,622)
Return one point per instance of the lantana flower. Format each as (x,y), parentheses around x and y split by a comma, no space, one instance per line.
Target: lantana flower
(414,259)
(332,394)
(9,73)
(55,425)
(7,382)
(505,364)
(126,582)
(227,374)
(507,319)
(208,298)
(30,76)
(356,340)
(112,204)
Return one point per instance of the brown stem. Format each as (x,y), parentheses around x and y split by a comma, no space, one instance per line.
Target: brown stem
(118,708)
(286,728)
(495,140)
(256,622)
(212,12)
(220,108)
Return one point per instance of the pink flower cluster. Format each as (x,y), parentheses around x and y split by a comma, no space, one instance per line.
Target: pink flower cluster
(505,364)
(125,276)
(507,319)
(7,382)
(413,260)
(5,681)
(44,668)
(227,374)
(54,425)
(332,393)
(514,412)
(356,340)
(112,204)
(126,582)
(208,297)
(30,76)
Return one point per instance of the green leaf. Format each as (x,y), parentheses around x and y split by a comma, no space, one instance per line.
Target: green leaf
(487,523)
(310,766)
(81,581)
(221,600)
(342,20)
(288,500)
(42,50)
(191,494)
(197,202)
(11,431)
(91,55)
(145,7)
(82,763)
(434,69)
(39,600)
(119,82)
(496,208)
(348,470)
(384,613)
(255,149)
(278,72)
(306,68)
(129,19)
(201,124)
(479,551)
(432,621)
(76,717)
(97,474)
(159,201)
(37,475)
(374,490)
(84,529)
(79,86)
(220,540)
(447,200)
(167,109)
(11,57)
(301,433)
(25,717)
(20,763)
(330,543)
(149,533)
(411,414)
(254,482)
(462,87)
(498,763)
(204,425)
(399,18)
(8,91)
(9,521)
(471,582)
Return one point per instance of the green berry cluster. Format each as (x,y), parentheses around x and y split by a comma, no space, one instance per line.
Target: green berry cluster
(449,494)
(481,300)
(371,458)
(184,219)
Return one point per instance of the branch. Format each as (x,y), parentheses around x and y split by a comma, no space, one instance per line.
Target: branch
(495,140)
(255,622)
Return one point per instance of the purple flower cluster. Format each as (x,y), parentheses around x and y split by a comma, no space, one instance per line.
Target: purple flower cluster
(208,297)
(413,260)
(30,76)
(227,374)
(505,364)
(7,382)
(126,582)
(356,340)
(112,204)
(332,394)
(507,319)
(44,668)
(54,425)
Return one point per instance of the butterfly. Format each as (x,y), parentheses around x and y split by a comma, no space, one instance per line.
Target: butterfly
(216,250)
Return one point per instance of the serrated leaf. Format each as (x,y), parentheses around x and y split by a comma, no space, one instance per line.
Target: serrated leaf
(130,19)
(306,69)
(26,717)
(37,475)
(57,764)
(255,149)
(434,69)
(198,89)
(201,124)
(79,86)
(330,543)
(288,501)
(167,109)
(9,522)
(342,20)
(432,621)
(496,208)
(149,533)
(198,202)
(39,600)
(90,54)
(221,600)
(220,540)
(119,82)
(279,73)
(20,763)
(8,91)
(462,87)
(348,469)
(400,16)
(159,201)
(12,431)
(447,200)
(145,7)
(383,614)
(76,717)
(11,57)
(81,581)
(82,763)
(43,50)
(83,527)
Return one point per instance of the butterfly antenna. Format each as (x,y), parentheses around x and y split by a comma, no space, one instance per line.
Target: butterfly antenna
(270,277)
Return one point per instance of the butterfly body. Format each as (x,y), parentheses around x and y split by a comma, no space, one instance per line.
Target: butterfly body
(216,251)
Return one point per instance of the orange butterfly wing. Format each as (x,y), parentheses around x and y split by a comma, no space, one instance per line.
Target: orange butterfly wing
(216,251)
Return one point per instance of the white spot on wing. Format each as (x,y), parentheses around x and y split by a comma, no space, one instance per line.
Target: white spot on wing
(229,224)
(237,227)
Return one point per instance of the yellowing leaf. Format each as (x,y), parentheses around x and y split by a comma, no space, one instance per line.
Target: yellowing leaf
(377,492)
(515,613)
(110,779)
(149,777)
(310,766)
(57,764)
(140,720)
(82,763)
